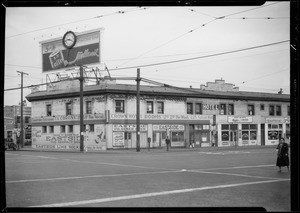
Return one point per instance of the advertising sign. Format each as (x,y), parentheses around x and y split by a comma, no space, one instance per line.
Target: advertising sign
(86,51)
(118,139)
(232,119)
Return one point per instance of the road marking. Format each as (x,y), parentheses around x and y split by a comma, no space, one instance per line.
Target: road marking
(232,174)
(153,194)
(89,176)
(239,167)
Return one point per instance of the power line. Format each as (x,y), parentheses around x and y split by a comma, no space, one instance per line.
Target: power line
(195,58)
(100,16)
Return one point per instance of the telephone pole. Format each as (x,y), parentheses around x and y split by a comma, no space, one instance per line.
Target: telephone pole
(21,118)
(138,111)
(81,109)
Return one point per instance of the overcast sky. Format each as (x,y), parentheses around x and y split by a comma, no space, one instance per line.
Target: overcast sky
(139,36)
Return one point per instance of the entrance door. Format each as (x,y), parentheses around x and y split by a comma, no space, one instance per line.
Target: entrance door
(156,139)
(232,137)
(262,134)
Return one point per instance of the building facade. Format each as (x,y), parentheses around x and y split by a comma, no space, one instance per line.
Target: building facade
(214,115)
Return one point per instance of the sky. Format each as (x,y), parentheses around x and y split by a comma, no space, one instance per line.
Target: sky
(196,37)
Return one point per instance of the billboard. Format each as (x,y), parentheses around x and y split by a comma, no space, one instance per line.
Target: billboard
(85,52)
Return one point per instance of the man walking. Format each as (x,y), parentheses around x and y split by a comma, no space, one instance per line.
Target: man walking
(168,142)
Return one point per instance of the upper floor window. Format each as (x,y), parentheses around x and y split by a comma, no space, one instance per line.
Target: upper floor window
(150,107)
(230,109)
(68,109)
(27,119)
(62,128)
(198,108)
(251,110)
(288,110)
(160,107)
(70,128)
(51,129)
(262,107)
(48,110)
(88,107)
(189,108)
(278,110)
(44,129)
(222,109)
(271,110)
(92,128)
(119,106)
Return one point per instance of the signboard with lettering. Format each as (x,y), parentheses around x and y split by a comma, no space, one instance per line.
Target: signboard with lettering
(94,116)
(118,139)
(278,120)
(235,119)
(168,127)
(128,127)
(86,51)
(160,117)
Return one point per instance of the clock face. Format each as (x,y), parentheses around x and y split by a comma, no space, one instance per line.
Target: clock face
(69,39)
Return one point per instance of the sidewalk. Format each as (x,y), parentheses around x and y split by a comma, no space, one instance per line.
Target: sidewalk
(158,150)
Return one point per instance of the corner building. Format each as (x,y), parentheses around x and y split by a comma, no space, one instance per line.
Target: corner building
(216,114)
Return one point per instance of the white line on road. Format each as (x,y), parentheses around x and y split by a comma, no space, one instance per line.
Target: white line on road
(127,197)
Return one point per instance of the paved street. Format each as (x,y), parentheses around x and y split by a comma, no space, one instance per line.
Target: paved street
(198,178)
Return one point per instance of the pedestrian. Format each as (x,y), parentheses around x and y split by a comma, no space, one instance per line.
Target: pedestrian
(282,155)
(168,142)
(149,141)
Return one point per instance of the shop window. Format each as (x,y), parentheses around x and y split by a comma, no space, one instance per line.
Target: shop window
(160,107)
(252,135)
(225,135)
(230,109)
(198,108)
(225,127)
(251,110)
(44,129)
(51,129)
(274,131)
(48,110)
(62,128)
(288,110)
(223,109)
(271,110)
(245,135)
(68,109)
(245,126)
(127,135)
(88,107)
(150,107)
(177,136)
(91,128)
(27,119)
(119,106)
(278,110)
(189,108)
(262,107)
(70,127)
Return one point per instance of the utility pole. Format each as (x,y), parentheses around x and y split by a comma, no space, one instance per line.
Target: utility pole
(21,118)
(138,111)
(81,109)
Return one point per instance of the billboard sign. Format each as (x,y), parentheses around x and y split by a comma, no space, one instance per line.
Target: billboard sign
(85,52)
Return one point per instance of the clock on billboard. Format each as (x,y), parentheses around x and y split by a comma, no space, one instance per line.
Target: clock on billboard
(69,39)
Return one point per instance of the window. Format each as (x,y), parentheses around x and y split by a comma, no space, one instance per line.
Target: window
(230,109)
(249,131)
(88,107)
(51,129)
(198,108)
(70,128)
(119,106)
(278,110)
(92,127)
(189,108)
(223,109)
(150,107)
(262,107)
(44,129)
(62,128)
(251,110)
(177,136)
(48,110)
(271,110)
(27,119)
(68,109)
(160,107)
(288,110)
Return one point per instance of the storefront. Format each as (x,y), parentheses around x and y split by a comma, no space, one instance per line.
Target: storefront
(277,128)
(199,135)
(174,131)
(249,134)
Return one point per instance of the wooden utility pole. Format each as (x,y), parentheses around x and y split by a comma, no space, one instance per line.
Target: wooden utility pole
(81,109)
(138,79)
(21,118)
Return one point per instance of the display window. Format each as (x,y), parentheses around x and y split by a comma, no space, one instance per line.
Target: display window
(274,131)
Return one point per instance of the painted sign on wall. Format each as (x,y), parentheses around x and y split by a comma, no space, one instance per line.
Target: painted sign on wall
(118,139)
(235,119)
(86,51)
(169,127)
(128,127)
(161,117)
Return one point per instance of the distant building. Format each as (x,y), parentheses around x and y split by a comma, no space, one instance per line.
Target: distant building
(216,114)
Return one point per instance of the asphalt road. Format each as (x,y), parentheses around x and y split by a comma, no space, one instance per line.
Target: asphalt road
(200,178)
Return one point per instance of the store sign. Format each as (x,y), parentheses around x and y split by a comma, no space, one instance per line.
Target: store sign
(68,117)
(210,107)
(86,51)
(161,117)
(168,127)
(128,127)
(118,139)
(234,119)
(278,120)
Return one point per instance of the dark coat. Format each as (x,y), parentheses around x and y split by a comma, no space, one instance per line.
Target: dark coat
(283,155)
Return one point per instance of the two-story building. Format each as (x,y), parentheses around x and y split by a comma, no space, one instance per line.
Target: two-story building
(216,114)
